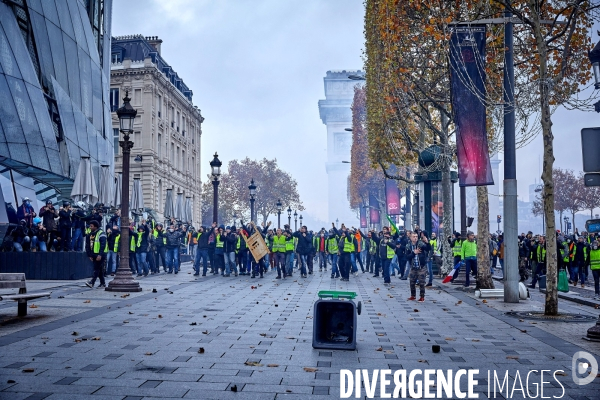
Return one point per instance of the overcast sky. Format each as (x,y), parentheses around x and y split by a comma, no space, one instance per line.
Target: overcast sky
(257,67)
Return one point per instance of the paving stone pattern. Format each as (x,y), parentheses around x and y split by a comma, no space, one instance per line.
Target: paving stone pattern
(203,338)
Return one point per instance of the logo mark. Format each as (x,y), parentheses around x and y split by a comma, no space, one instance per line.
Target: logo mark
(580,363)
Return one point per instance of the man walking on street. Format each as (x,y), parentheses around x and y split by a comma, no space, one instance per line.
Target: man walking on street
(416,254)
(95,248)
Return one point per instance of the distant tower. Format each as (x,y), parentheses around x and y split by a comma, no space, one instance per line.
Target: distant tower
(336,114)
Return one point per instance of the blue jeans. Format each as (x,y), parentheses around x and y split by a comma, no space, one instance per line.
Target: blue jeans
(229,262)
(289,261)
(578,272)
(353,262)
(430,272)
(75,241)
(322,260)
(334,265)
(394,265)
(385,265)
(172,256)
(201,254)
(111,262)
(142,263)
(470,265)
(42,245)
(303,264)
(596,273)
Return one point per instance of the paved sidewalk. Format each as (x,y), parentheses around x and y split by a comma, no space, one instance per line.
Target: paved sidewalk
(258,341)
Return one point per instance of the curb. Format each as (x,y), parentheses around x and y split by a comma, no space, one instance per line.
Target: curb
(576,299)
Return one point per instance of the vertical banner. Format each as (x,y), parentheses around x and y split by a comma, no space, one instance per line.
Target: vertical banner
(374,207)
(437,208)
(392,197)
(467,76)
(363,217)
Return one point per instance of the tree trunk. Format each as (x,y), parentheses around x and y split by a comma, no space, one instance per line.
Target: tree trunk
(447,228)
(484,277)
(551,307)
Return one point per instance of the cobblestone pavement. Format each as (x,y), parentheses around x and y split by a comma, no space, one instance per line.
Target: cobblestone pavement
(201,338)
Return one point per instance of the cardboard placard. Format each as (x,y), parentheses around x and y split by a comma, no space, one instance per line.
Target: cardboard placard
(257,246)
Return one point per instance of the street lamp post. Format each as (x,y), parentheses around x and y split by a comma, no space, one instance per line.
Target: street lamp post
(234,218)
(301,221)
(295,221)
(124,281)
(337,221)
(252,189)
(289,210)
(279,206)
(566,219)
(215,166)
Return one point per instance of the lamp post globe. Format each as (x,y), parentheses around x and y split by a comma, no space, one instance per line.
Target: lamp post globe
(289,211)
(124,281)
(295,220)
(215,166)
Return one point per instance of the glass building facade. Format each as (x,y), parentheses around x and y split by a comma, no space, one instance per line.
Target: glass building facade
(54,94)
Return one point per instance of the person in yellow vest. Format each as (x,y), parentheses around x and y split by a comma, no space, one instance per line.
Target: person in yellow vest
(95,248)
(595,267)
(278,249)
(347,246)
(160,241)
(468,254)
(289,252)
(132,247)
(386,251)
(332,253)
(113,249)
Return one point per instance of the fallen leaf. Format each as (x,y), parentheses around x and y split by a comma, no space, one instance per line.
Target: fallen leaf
(561,373)
(521,320)
(75,333)
(380,334)
(263,334)
(130,312)
(96,338)
(201,350)
(28,370)
(523,330)
(253,364)
(445,309)
(415,310)
(484,301)
(422,361)
(149,354)
(205,332)
(475,340)
(512,357)
(124,295)
(310,369)
(272,365)
(290,337)
(77,340)
(125,322)
(87,301)
(234,388)
(159,316)
(379,349)
(33,306)
(193,323)
(288,391)
(449,338)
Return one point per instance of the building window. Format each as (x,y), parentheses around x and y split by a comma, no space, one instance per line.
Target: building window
(115,58)
(114,100)
(193,167)
(116,140)
(137,97)
(172,154)
(159,195)
(159,106)
(172,117)
(183,161)
(178,159)
(137,139)
(178,120)
(159,146)
(183,126)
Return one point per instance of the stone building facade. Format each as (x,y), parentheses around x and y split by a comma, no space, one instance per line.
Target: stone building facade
(168,126)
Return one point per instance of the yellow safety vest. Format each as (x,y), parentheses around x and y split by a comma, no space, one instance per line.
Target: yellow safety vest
(289,245)
(279,244)
(220,243)
(348,246)
(132,244)
(99,234)
(332,245)
(595,259)
(116,246)
(457,249)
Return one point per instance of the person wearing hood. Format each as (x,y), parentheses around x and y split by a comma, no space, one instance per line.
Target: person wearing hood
(26,212)
(39,235)
(173,237)
(20,236)
(95,247)
(229,251)
(141,249)
(202,237)
(304,249)
(65,222)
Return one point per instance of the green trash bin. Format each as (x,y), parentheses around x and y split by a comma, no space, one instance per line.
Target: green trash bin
(334,320)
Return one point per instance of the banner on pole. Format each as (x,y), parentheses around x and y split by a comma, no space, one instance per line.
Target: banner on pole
(374,207)
(467,76)
(392,197)
(363,217)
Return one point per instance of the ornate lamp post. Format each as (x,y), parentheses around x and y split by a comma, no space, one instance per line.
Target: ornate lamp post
(295,220)
(301,221)
(124,281)
(215,166)
(566,219)
(279,207)
(289,210)
(252,189)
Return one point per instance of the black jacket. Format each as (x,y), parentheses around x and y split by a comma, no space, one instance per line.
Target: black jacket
(174,238)
(304,246)
(111,240)
(65,218)
(203,239)
(382,246)
(143,243)
(230,242)
(423,256)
